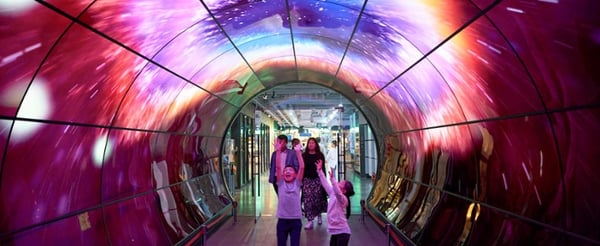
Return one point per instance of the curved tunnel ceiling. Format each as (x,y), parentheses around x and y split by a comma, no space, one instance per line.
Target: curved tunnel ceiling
(84,84)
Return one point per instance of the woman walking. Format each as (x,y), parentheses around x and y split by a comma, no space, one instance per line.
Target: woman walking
(314,198)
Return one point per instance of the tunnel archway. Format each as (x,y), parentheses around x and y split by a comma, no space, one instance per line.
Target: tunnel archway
(299,110)
(111,107)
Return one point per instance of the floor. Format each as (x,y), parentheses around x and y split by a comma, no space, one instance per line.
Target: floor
(256,221)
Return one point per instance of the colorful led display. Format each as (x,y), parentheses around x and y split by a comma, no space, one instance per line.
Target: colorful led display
(112,113)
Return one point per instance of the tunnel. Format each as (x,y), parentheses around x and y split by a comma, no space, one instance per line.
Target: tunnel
(485,114)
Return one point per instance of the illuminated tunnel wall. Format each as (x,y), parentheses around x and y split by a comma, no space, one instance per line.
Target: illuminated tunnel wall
(112,113)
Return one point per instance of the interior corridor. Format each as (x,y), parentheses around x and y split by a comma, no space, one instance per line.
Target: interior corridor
(260,230)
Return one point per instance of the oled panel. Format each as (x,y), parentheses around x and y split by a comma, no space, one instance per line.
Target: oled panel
(114,112)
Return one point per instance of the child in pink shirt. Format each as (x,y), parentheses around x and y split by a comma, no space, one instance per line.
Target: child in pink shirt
(339,193)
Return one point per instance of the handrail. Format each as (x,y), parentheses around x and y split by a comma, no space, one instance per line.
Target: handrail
(201,234)
(398,240)
(362,210)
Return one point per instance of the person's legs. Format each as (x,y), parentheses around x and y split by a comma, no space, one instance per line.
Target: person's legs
(323,204)
(339,239)
(309,225)
(282,232)
(343,239)
(313,200)
(332,240)
(295,230)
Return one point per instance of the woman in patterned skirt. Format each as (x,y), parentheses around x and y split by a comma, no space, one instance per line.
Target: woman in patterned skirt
(314,197)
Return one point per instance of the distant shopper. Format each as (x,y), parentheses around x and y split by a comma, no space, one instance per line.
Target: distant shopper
(314,198)
(289,210)
(295,142)
(339,197)
(280,157)
(332,156)
(321,147)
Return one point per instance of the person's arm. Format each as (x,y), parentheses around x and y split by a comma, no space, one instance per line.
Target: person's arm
(273,170)
(278,173)
(293,159)
(323,179)
(323,161)
(336,190)
(274,162)
(298,150)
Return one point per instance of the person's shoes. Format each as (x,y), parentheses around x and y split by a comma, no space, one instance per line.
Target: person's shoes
(309,225)
(319,220)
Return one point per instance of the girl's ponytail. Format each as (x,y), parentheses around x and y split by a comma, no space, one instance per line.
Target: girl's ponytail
(349,191)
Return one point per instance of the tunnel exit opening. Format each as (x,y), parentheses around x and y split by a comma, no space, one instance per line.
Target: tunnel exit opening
(299,111)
